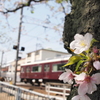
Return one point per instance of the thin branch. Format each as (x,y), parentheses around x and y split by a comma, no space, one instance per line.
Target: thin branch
(22,6)
(63,9)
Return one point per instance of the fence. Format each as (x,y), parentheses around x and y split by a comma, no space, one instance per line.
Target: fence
(58,88)
(10,92)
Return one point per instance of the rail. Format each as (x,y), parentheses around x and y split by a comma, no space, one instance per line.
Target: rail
(11,92)
(58,89)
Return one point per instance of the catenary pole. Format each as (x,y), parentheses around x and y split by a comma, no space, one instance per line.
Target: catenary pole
(18,43)
(1,62)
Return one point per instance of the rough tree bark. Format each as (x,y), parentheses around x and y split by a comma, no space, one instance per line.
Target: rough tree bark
(84,17)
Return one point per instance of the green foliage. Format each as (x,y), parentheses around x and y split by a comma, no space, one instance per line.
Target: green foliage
(93,40)
(78,60)
(78,64)
(73,60)
(60,1)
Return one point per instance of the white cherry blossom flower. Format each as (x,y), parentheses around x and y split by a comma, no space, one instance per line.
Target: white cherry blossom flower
(67,76)
(81,97)
(96,64)
(87,84)
(81,43)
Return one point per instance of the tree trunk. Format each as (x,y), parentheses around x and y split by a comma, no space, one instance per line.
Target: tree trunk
(84,17)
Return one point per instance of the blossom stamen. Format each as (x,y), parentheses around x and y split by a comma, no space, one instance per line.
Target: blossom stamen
(82,43)
(88,79)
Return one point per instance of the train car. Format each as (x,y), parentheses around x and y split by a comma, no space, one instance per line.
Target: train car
(9,76)
(43,71)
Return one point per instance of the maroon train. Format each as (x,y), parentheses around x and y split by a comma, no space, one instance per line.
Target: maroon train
(43,71)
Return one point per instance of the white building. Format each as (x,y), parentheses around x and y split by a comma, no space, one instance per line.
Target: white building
(43,54)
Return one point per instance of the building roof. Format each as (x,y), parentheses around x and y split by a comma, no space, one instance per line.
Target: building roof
(49,60)
(49,50)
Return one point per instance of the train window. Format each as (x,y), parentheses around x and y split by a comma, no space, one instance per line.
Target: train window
(27,70)
(29,55)
(36,69)
(57,67)
(22,70)
(46,68)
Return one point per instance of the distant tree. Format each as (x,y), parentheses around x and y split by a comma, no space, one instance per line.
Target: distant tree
(8,7)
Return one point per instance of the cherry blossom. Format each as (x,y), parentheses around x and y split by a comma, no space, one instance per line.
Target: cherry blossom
(81,97)
(67,76)
(87,84)
(96,64)
(81,43)
(85,77)
(95,50)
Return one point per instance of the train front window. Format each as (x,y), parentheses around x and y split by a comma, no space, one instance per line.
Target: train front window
(46,68)
(57,67)
(36,69)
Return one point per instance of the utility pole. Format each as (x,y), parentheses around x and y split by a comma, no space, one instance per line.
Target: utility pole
(18,43)
(1,62)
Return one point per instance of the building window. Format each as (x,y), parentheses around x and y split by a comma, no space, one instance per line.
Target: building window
(36,69)
(29,55)
(28,61)
(57,67)
(37,53)
(58,55)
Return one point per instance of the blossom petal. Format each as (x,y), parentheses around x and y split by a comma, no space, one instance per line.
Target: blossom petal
(91,88)
(67,76)
(63,76)
(81,43)
(83,88)
(78,36)
(78,97)
(88,38)
(80,77)
(96,78)
(85,97)
(78,51)
(96,64)
(72,45)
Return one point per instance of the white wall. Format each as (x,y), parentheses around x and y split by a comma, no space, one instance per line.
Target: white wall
(43,55)
(51,54)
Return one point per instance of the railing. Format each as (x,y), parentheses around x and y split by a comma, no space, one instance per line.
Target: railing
(10,92)
(59,89)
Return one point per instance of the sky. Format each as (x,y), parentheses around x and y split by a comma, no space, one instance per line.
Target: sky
(41,29)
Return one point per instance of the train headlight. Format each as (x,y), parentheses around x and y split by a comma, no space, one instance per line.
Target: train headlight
(33,80)
(40,80)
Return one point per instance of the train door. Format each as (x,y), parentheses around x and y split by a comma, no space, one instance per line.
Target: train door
(22,73)
(46,71)
(27,71)
(57,69)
